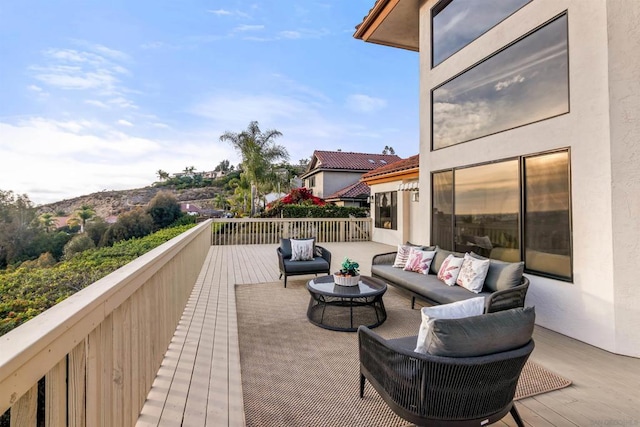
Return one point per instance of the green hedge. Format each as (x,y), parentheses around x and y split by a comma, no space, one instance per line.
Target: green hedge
(313,211)
(27,292)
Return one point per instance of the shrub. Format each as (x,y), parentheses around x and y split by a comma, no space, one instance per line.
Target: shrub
(135,223)
(164,209)
(79,243)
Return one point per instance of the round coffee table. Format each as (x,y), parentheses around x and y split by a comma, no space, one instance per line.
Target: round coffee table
(344,308)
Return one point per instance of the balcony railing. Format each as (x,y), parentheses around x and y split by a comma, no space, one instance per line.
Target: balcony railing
(255,231)
(100,349)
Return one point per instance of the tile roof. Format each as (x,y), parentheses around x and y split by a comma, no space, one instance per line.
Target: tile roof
(359,189)
(412,162)
(349,160)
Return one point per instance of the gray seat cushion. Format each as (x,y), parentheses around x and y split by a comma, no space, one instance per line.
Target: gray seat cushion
(317,264)
(481,335)
(426,285)
(503,275)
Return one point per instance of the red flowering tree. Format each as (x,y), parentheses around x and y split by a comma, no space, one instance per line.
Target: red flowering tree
(297,196)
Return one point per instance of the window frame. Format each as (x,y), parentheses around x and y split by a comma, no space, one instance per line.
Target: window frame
(439,7)
(393,201)
(514,42)
(522,206)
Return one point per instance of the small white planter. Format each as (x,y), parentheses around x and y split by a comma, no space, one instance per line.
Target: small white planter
(346,280)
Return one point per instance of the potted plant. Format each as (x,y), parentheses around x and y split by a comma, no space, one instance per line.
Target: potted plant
(349,274)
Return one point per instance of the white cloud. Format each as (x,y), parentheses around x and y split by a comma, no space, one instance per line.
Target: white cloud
(225,12)
(97,103)
(123,122)
(506,83)
(220,12)
(161,125)
(34,88)
(364,103)
(242,28)
(67,159)
(290,34)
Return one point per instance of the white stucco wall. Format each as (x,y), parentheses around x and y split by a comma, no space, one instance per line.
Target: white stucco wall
(602,132)
(383,235)
(328,182)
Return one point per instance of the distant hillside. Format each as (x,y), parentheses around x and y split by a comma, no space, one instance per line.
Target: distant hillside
(108,203)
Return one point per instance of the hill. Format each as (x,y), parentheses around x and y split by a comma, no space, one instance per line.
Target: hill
(113,203)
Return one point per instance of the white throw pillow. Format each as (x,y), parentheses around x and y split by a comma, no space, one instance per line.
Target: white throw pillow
(419,261)
(455,310)
(302,250)
(472,273)
(402,256)
(450,269)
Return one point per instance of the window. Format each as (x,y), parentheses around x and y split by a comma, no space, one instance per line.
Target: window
(491,209)
(525,82)
(386,210)
(312,182)
(456,23)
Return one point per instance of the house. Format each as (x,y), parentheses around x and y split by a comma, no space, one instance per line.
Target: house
(354,195)
(529,145)
(331,171)
(394,201)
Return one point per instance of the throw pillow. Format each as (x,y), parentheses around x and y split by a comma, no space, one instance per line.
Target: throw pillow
(454,310)
(472,273)
(503,275)
(402,256)
(419,261)
(302,250)
(450,269)
(481,335)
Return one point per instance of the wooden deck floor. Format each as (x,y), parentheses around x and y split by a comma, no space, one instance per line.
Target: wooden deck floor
(199,383)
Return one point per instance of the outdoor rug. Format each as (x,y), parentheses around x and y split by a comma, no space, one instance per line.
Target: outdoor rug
(297,374)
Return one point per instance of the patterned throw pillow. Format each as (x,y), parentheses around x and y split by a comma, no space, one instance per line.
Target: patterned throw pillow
(450,269)
(472,273)
(419,261)
(302,250)
(402,256)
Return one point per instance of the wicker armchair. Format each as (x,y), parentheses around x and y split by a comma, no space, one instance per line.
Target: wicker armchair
(441,391)
(321,262)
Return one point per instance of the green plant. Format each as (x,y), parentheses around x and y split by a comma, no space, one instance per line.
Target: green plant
(349,267)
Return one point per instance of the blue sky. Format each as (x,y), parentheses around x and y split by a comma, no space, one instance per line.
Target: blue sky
(99,95)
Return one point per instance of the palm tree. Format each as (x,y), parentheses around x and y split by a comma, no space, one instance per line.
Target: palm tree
(48,222)
(258,152)
(84,214)
(162,175)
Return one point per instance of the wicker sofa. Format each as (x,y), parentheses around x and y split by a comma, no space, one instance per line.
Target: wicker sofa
(505,287)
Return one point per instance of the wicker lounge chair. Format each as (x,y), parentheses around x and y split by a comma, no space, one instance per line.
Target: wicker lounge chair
(436,390)
(321,263)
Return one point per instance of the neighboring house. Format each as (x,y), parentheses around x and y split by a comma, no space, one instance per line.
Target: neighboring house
(190,209)
(331,171)
(394,201)
(529,146)
(354,195)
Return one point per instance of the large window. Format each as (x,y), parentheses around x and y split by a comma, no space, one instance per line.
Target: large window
(386,212)
(491,209)
(456,23)
(526,82)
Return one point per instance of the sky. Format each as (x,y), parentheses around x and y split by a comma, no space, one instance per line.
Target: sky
(100,95)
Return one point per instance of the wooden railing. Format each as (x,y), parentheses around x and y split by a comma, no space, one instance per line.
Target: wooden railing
(249,231)
(100,349)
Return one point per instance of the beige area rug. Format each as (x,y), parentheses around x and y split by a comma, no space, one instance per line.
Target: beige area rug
(297,374)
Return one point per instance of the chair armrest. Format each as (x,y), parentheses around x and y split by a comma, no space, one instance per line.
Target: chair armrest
(507,298)
(280,259)
(322,252)
(388,258)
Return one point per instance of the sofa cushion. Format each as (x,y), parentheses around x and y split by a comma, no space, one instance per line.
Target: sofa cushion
(472,273)
(285,248)
(316,264)
(402,256)
(302,249)
(450,269)
(427,286)
(441,255)
(455,310)
(503,275)
(481,335)
(419,261)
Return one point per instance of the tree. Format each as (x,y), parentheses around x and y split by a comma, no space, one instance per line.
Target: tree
(223,166)
(84,214)
(164,209)
(388,150)
(135,223)
(47,222)
(189,170)
(79,243)
(258,151)
(17,229)
(162,175)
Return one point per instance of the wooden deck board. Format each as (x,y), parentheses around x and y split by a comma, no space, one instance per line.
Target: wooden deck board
(199,382)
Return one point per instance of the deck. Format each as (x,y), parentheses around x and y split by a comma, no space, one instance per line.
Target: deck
(199,382)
